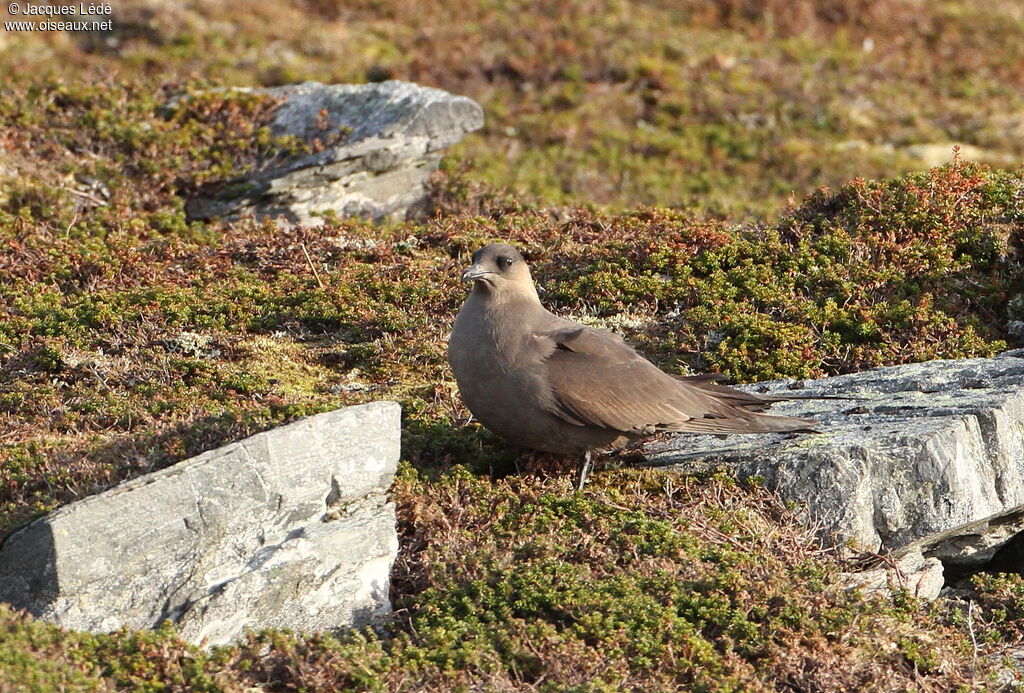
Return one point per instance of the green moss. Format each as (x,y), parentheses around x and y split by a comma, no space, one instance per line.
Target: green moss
(836,285)
(32,660)
(728,108)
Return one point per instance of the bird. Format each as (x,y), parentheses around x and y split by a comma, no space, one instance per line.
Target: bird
(547,383)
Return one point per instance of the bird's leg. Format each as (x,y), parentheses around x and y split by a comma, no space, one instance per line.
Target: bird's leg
(584,469)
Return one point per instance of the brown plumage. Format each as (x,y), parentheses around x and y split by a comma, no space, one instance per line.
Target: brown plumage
(547,383)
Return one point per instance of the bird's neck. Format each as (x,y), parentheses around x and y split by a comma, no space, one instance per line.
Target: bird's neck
(507,315)
(517,297)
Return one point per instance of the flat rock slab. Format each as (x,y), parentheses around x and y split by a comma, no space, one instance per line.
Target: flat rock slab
(288,528)
(378,144)
(921,449)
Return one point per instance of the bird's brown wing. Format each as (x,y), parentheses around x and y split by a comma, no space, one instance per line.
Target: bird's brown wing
(596,379)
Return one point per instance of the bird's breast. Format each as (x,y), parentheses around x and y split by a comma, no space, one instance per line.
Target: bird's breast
(494,371)
(502,372)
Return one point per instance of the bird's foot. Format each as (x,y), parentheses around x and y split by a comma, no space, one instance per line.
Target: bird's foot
(584,469)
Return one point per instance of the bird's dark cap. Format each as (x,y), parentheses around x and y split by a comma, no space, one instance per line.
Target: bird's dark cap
(492,261)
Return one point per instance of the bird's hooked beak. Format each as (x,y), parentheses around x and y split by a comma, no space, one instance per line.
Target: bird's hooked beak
(473,273)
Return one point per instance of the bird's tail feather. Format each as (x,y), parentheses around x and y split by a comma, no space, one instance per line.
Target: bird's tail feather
(752,423)
(738,398)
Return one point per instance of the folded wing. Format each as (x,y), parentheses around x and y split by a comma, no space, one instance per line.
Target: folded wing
(598,380)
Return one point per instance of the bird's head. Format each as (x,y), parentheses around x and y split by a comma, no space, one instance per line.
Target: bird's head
(499,268)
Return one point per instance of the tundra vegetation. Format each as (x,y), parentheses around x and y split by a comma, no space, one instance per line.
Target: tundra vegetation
(736,187)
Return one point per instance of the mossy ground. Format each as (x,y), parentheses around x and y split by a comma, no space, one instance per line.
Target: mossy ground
(645,582)
(731,106)
(131,339)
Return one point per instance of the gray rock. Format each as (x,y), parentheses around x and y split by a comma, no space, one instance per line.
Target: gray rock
(1015,306)
(921,576)
(921,449)
(288,528)
(380,143)
(1015,330)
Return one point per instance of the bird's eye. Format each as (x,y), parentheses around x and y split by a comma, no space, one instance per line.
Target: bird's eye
(507,261)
